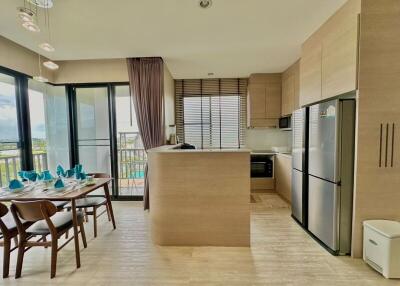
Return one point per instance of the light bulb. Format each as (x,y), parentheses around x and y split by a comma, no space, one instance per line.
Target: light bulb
(47,47)
(30,26)
(40,78)
(50,65)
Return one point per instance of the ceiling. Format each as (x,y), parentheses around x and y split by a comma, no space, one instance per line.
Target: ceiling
(233,38)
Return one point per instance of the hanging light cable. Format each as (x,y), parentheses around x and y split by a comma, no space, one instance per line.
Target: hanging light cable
(46,46)
(40,77)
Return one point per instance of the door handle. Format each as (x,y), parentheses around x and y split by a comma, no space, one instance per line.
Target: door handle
(373,242)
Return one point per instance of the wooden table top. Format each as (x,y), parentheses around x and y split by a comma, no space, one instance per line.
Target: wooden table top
(74,190)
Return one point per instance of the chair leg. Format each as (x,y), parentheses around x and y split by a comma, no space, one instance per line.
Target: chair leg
(16,240)
(95,221)
(86,216)
(54,246)
(44,240)
(6,257)
(82,229)
(108,213)
(20,259)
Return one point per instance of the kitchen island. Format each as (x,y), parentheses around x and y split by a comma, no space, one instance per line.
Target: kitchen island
(199,197)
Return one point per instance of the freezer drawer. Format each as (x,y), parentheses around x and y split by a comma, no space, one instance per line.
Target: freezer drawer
(297,195)
(323,211)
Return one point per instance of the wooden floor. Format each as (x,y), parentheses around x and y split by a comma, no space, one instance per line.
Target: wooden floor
(281,254)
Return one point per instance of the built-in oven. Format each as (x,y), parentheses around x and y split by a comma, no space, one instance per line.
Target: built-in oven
(261,166)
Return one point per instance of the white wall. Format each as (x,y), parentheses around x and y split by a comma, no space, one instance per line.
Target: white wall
(169,101)
(265,138)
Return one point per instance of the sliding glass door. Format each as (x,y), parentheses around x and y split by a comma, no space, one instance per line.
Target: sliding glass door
(132,157)
(10,159)
(93,131)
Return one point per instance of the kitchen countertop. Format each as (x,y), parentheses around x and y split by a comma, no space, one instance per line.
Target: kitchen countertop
(270,152)
(175,149)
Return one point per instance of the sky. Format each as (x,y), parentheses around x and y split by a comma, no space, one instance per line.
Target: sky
(8,118)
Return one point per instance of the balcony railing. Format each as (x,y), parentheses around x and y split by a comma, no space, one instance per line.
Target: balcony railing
(10,165)
(132,160)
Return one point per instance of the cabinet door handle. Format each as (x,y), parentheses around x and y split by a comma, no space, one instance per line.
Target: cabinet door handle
(373,242)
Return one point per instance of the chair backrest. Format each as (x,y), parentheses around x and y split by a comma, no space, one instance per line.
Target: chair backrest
(3,227)
(3,210)
(33,210)
(99,175)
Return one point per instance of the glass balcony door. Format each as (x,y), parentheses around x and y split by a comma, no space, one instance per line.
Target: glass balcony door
(93,130)
(10,153)
(131,155)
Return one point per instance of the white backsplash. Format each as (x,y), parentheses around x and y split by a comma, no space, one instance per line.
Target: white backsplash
(266,138)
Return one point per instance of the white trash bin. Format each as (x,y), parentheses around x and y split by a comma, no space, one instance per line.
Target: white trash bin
(382,246)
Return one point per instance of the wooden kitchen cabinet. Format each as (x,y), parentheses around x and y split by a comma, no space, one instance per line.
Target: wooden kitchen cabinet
(340,51)
(264,100)
(290,89)
(283,176)
(329,58)
(311,71)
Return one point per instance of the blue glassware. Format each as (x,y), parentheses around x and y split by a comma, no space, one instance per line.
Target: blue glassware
(15,185)
(78,170)
(60,171)
(81,176)
(31,176)
(22,175)
(59,184)
(70,173)
(46,175)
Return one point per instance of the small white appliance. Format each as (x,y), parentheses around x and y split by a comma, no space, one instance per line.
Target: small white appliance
(382,246)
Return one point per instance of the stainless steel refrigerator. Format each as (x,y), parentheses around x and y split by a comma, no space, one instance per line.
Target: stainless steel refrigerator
(331,172)
(299,165)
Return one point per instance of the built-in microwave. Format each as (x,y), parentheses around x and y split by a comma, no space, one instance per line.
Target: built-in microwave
(285,123)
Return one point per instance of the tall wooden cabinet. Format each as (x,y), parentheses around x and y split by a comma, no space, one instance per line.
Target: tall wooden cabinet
(290,89)
(329,58)
(264,100)
(283,176)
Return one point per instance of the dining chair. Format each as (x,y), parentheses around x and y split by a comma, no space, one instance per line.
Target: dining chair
(8,231)
(45,221)
(93,203)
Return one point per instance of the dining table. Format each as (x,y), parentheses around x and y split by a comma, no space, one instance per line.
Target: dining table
(74,189)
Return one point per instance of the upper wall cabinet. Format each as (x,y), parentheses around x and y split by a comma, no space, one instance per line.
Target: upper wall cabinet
(329,57)
(264,100)
(340,51)
(310,71)
(290,89)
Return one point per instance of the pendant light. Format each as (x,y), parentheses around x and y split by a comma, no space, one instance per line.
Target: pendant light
(46,46)
(46,4)
(40,77)
(28,16)
(51,65)
(25,14)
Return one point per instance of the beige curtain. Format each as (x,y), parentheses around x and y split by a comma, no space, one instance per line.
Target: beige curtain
(146,79)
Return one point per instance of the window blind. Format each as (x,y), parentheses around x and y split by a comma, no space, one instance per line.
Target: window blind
(211,113)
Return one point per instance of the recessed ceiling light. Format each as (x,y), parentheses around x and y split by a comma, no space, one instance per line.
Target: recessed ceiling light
(50,65)
(31,26)
(205,3)
(42,3)
(40,78)
(47,47)
(25,14)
